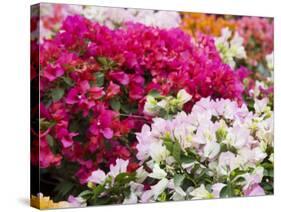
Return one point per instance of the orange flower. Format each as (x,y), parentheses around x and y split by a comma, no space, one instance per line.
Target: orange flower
(193,23)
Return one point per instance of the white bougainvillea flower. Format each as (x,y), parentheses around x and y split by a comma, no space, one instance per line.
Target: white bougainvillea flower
(216,138)
(147,196)
(152,194)
(150,106)
(226,163)
(157,172)
(201,193)
(253,178)
(158,152)
(264,132)
(211,150)
(183,96)
(161,127)
(236,46)
(144,138)
(119,167)
(178,192)
(159,187)
(206,133)
(141,174)
(230,48)
(251,185)
(260,105)
(216,189)
(238,136)
(136,190)
(97,177)
(184,135)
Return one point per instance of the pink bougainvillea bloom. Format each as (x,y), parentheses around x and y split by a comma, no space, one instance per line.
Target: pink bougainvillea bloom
(103,123)
(95,93)
(254,190)
(112,90)
(107,133)
(53,72)
(46,157)
(74,96)
(136,90)
(120,77)
(65,137)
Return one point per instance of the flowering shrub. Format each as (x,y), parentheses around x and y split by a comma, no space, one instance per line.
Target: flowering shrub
(218,150)
(85,81)
(134,109)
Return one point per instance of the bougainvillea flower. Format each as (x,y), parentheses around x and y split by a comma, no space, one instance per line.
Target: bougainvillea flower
(120,77)
(63,134)
(46,156)
(53,72)
(112,90)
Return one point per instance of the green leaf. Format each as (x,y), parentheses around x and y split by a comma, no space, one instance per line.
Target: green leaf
(124,178)
(85,194)
(236,172)
(226,191)
(115,104)
(154,93)
(178,179)
(44,124)
(267,187)
(162,197)
(108,145)
(50,140)
(187,159)
(52,143)
(68,81)
(99,79)
(74,125)
(102,60)
(57,94)
(97,191)
(126,108)
(168,144)
(268,173)
(176,151)
(221,134)
(106,63)
(63,189)
(267,165)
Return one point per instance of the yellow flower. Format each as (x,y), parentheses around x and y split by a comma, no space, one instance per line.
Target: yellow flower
(42,202)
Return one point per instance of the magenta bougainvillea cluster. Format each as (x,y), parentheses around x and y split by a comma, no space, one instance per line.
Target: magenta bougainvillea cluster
(109,92)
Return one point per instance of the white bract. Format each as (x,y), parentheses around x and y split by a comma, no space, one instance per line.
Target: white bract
(230,47)
(223,136)
(99,177)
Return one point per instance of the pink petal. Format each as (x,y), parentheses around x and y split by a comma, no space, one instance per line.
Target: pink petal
(107,133)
